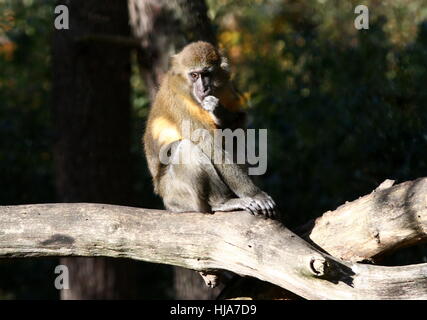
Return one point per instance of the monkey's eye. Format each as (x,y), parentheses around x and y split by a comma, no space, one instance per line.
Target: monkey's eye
(194,75)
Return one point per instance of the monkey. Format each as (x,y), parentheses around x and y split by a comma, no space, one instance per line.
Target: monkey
(198,89)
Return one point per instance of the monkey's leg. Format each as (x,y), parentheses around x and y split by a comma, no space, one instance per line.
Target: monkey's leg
(197,186)
(248,196)
(192,184)
(190,181)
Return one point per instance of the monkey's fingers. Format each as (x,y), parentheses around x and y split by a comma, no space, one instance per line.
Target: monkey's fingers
(269,202)
(245,204)
(209,103)
(211,280)
(257,207)
(264,208)
(251,210)
(271,208)
(252,207)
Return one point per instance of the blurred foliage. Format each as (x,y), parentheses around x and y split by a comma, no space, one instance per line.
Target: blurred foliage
(26,171)
(344,108)
(25,146)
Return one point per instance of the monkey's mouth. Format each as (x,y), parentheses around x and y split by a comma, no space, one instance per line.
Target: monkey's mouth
(203,96)
(200,96)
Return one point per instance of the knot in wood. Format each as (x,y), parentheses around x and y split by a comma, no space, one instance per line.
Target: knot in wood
(318,266)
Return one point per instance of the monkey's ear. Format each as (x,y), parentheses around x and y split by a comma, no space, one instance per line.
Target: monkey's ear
(224,63)
(174,61)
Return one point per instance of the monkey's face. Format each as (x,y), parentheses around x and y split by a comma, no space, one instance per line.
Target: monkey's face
(202,82)
(203,68)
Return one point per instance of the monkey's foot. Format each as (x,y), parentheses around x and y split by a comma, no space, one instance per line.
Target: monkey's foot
(259,205)
(211,280)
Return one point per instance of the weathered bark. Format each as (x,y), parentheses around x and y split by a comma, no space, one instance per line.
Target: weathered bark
(363,230)
(374,225)
(234,241)
(91,93)
(163,27)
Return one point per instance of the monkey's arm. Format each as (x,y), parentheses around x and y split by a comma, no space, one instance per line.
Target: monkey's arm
(224,116)
(233,174)
(250,197)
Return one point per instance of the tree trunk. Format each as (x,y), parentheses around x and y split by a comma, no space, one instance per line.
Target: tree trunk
(91,93)
(163,27)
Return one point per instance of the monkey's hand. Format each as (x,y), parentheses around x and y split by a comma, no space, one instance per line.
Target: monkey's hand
(260,204)
(211,279)
(210,103)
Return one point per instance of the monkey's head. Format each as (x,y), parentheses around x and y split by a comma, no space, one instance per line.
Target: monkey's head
(202,68)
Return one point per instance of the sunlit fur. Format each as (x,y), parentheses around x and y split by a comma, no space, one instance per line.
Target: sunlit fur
(175,103)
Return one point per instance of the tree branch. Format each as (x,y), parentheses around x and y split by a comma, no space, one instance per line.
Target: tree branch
(234,241)
(374,225)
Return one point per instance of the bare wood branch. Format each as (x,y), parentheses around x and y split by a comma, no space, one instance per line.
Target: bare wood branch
(389,218)
(235,241)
